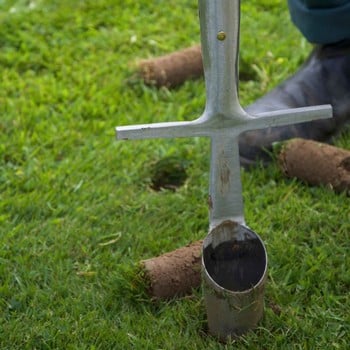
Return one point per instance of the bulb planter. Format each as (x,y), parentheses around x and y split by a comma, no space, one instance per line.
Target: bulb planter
(234,257)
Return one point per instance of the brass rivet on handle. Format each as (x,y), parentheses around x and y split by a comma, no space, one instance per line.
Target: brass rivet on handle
(221,35)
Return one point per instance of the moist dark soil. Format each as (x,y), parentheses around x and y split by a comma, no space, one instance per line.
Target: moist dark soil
(236,265)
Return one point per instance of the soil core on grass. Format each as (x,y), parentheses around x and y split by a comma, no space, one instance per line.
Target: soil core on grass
(173,69)
(174,273)
(316,164)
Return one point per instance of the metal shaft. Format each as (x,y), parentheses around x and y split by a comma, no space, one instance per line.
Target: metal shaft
(219,22)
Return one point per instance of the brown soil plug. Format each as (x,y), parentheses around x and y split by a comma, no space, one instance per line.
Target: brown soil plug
(316,164)
(174,273)
(173,69)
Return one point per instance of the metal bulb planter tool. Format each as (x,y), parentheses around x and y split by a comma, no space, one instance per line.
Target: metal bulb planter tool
(234,262)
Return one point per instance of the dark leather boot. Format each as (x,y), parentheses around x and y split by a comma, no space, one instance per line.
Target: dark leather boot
(323,79)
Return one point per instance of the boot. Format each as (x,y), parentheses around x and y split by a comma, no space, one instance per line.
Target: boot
(323,79)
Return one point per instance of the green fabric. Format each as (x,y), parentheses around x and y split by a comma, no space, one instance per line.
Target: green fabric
(322,21)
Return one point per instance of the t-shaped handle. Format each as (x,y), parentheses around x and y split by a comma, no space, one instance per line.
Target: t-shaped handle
(223,118)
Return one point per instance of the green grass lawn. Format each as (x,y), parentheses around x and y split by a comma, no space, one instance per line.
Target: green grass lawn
(76,208)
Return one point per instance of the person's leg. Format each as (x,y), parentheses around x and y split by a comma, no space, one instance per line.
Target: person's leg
(323,79)
(321,21)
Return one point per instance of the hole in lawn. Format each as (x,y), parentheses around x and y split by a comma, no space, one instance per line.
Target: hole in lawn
(168,173)
(246,71)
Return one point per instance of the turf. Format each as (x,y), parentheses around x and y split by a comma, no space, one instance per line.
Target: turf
(76,209)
